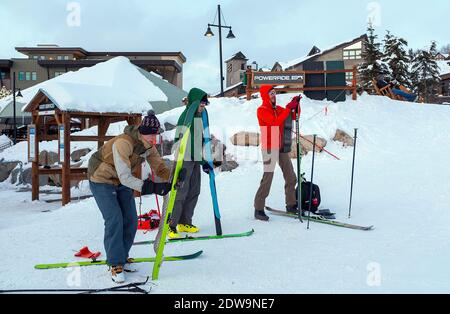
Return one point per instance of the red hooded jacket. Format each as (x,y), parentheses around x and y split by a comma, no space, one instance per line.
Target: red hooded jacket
(271,120)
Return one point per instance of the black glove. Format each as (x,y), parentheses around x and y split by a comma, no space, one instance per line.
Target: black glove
(148,187)
(162,188)
(206,168)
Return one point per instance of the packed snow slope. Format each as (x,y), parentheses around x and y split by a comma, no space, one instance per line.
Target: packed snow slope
(402,187)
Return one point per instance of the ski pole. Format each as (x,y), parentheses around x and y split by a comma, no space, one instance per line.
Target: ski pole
(312,180)
(353,172)
(299,160)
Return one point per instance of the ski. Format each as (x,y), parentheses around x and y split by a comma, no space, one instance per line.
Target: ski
(212,175)
(136,260)
(201,238)
(322,220)
(134,287)
(183,138)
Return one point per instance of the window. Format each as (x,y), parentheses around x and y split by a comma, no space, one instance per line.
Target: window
(59,58)
(33,76)
(21,76)
(3,74)
(42,58)
(349,76)
(28,76)
(230,67)
(58,73)
(243,66)
(35,57)
(66,57)
(352,54)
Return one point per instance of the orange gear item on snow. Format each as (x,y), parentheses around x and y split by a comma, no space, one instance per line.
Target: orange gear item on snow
(86,253)
(149,221)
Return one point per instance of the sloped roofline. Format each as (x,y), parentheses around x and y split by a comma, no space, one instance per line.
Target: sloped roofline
(314,57)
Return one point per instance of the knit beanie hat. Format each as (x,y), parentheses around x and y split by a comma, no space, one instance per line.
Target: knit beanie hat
(150,124)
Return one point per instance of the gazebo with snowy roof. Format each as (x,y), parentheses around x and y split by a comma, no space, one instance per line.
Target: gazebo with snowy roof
(88,95)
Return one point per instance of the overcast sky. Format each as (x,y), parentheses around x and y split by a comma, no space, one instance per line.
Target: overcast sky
(266,30)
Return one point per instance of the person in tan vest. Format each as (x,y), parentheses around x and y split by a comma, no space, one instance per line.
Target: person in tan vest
(112,183)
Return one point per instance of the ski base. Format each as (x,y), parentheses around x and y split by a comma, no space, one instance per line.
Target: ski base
(322,220)
(202,238)
(136,260)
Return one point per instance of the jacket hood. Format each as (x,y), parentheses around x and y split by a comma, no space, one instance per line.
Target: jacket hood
(194,95)
(264,92)
(133,131)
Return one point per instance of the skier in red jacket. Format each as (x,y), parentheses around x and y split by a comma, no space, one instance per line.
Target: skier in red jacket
(276,138)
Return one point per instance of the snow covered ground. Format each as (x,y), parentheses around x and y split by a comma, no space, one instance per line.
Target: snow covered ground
(402,186)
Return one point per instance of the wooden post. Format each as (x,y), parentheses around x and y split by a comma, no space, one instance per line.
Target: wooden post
(103,125)
(66,161)
(35,163)
(138,172)
(249,83)
(355,94)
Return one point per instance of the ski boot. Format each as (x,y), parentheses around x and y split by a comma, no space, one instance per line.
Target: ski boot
(187,228)
(261,215)
(292,209)
(129,267)
(173,233)
(117,274)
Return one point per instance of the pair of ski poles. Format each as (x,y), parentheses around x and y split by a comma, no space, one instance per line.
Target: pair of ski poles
(299,157)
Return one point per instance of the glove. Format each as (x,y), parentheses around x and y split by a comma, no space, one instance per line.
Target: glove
(162,188)
(206,168)
(294,104)
(148,187)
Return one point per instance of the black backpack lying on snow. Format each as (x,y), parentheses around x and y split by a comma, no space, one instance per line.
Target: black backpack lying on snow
(306,186)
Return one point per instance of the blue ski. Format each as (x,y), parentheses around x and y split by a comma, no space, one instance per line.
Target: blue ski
(212,175)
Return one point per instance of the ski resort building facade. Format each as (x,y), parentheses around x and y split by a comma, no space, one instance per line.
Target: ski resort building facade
(349,52)
(45,62)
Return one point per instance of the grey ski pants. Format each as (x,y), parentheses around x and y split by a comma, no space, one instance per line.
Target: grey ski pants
(187,196)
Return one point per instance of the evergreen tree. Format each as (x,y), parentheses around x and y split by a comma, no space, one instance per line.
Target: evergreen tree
(372,65)
(397,59)
(413,75)
(426,69)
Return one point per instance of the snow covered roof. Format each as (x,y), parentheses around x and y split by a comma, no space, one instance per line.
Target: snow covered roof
(292,63)
(444,67)
(217,94)
(112,86)
(311,55)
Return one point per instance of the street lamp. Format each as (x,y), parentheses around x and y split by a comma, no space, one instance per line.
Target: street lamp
(19,94)
(230,35)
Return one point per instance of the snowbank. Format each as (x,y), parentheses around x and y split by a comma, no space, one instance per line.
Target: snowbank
(112,86)
(401,187)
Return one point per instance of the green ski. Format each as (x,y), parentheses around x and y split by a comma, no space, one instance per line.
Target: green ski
(321,220)
(136,260)
(202,238)
(189,119)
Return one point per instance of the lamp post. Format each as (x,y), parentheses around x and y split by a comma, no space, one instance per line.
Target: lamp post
(230,35)
(19,94)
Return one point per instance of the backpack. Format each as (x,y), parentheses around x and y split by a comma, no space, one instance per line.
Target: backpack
(306,186)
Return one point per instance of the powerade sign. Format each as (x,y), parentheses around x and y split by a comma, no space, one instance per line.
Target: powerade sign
(279,78)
